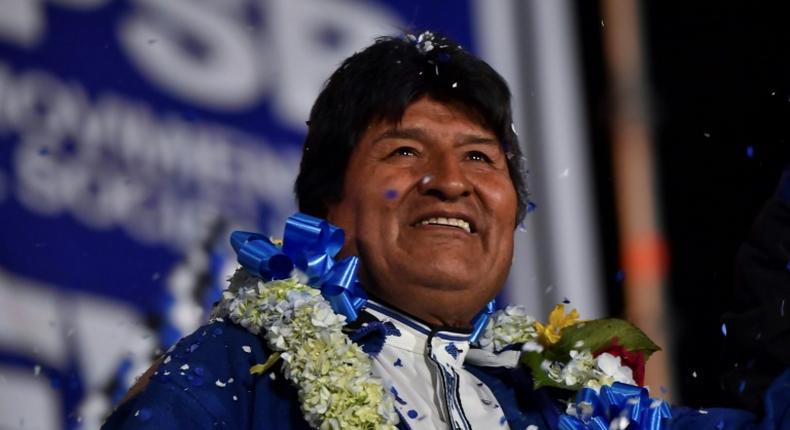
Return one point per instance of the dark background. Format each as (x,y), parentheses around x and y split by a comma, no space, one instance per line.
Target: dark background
(720,86)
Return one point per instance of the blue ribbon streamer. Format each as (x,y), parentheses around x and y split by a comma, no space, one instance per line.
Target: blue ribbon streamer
(628,403)
(480,321)
(309,245)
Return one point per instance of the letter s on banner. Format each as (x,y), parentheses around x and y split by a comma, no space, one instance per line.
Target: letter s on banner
(223,77)
(314,37)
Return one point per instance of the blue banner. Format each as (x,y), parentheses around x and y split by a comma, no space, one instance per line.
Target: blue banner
(134,135)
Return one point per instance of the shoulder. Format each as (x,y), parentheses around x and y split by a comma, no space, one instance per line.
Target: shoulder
(204,381)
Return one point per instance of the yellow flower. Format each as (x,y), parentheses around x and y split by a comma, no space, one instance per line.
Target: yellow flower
(550,334)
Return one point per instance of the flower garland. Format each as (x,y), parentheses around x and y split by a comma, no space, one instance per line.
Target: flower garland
(333,375)
(303,326)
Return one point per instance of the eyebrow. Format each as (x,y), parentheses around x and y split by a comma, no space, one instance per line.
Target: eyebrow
(420,134)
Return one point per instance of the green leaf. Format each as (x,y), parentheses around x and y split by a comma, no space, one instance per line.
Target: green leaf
(260,369)
(598,334)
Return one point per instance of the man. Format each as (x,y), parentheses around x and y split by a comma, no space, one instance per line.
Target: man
(411,151)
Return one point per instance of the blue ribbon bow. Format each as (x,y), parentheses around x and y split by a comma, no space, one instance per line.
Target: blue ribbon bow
(630,405)
(309,245)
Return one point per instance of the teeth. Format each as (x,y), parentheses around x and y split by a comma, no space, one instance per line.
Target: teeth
(454,222)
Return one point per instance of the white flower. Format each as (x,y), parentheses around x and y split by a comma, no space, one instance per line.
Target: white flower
(508,326)
(333,375)
(611,367)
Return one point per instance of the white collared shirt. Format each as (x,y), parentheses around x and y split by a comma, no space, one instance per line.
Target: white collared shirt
(423,369)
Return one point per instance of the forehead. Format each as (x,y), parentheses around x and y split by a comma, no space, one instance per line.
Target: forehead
(435,114)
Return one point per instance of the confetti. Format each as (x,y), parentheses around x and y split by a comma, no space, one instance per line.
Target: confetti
(565,300)
(235,398)
(703,412)
(694,374)
(220,384)
(513,128)
(706,134)
(455,85)
(390,194)
(750,151)
(185,367)
(167,360)
(246,348)
(532,427)
(398,363)
(741,386)
(412,413)
(502,421)
(425,179)
(578,344)
(724,329)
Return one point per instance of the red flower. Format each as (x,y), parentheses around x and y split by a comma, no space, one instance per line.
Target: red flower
(633,359)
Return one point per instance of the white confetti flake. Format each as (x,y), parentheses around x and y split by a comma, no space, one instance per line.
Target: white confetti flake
(137,413)
(272,376)
(703,412)
(425,179)
(167,372)
(532,427)
(578,344)
(220,384)
(235,398)
(246,348)
(167,360)
(455,85)
(230,380)
(694,374)
(706,134)
(185,367)
(513,128)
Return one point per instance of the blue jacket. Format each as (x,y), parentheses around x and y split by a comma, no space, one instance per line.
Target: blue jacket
(206,384)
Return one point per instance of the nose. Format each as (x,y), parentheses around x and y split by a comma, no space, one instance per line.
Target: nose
(445,179)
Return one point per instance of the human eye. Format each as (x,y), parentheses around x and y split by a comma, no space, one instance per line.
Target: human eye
(478,156)
(404,151)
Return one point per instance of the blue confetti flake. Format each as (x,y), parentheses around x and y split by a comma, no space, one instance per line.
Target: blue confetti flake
(394,393)
(750,151)
(566,300)
(412,413)
(531,206)
(724,329)
(390,194)
(452,350)
(742,386)
(398,363)
(502,421)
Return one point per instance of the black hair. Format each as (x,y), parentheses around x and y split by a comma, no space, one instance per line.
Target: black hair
(378,84)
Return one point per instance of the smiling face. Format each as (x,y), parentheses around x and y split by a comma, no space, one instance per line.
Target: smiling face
(429,208)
